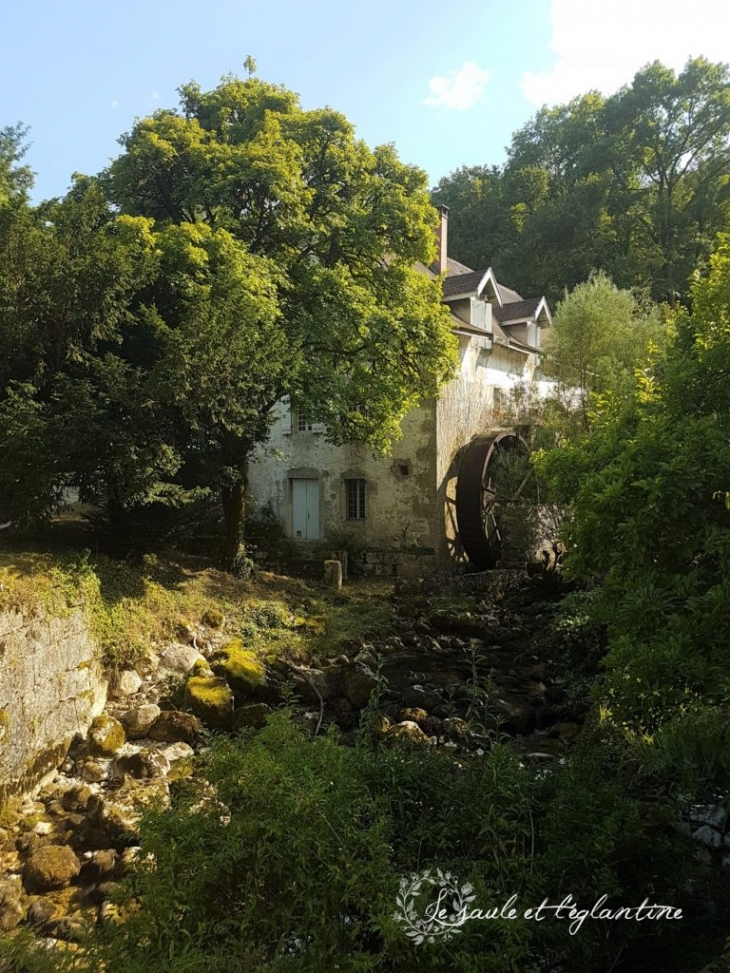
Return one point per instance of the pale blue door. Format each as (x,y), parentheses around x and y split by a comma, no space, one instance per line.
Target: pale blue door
(305,509)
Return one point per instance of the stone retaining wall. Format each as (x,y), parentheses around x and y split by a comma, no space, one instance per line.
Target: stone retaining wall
(51,687)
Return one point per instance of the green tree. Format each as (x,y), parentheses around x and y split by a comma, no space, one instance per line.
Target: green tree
(70,270)
(600,334)
(342,228)
(651,527)
(676,130)
(635,185)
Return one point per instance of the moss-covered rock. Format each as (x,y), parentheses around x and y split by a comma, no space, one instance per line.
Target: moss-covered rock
(251,715)
(50,867)
(210,698)
(212,618)
(240,668)
(406,732)
(106,735)
(174,726)
(11,909)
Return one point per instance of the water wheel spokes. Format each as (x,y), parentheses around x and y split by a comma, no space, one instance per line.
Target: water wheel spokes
(477,501)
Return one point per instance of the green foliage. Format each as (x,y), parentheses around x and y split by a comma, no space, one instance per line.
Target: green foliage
(635,185)
(292,860)
(240,249)
(651,527)
(599,336)
(342,224)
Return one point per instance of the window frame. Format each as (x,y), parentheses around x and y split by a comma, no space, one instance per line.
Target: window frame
(355,500)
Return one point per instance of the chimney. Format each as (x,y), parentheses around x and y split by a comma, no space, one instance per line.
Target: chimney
(442,237)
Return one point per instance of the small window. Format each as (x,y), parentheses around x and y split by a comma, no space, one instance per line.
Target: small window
(404,469)
(303,424)
(355,499)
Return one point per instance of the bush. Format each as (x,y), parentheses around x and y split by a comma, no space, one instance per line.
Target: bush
(293,862)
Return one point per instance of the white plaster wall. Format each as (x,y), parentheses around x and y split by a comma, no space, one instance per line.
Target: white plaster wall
(398,508)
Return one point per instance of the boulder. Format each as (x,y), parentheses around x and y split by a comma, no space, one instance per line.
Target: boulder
(138,721)
(419,697)
(106,736)
(101,864)
(41,911)
(127,683)
(180,658)
(117,815)
(406,732)
(95,771)
(412,714)
(519,717)
(174,726)
(210,699)
(240,668)
(11,909)
(77,799)
(311,685)
(456,730)
(358,683)
(344,713)
(142,765)
(175,752)
(50,867)
(251,715)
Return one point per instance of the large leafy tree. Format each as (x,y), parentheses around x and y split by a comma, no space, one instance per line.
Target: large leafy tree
(239,250)
(69,272)
(635,185)
(340,227)
(139,363)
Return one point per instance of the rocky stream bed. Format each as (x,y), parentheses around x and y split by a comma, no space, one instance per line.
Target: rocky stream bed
(457,678)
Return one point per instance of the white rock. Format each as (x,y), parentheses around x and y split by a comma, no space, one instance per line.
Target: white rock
(28,808)
(43,828)
(128,683)
(177,751)
(180,658)
(95,771)
(137,722)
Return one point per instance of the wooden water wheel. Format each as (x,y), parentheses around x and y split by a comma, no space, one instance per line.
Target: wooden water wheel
(477,499)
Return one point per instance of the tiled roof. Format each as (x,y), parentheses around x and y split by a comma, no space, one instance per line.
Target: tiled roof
(454,267)
(463,283)
(508,295)
(517,310)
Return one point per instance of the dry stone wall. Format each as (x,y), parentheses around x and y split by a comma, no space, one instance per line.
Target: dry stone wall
(51,687)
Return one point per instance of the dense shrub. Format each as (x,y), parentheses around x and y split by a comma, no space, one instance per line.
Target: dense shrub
(293,862)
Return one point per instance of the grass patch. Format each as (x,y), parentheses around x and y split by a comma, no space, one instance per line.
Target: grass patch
(135,606)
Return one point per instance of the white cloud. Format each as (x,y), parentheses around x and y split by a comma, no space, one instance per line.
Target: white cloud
(602,45)
(115,104)
(462,89)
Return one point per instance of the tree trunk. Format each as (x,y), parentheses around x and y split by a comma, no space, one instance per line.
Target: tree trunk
(113,502)
(233,509)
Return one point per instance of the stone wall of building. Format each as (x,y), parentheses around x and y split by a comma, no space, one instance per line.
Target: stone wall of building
(399,488)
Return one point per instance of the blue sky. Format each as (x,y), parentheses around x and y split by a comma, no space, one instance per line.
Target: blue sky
(448,83)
